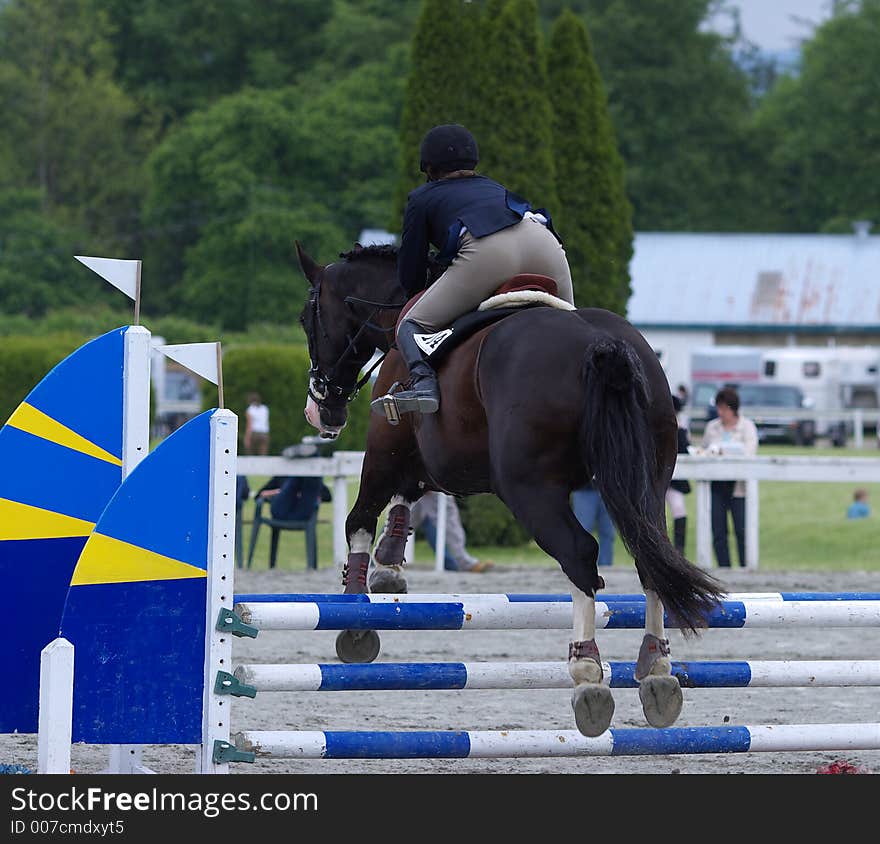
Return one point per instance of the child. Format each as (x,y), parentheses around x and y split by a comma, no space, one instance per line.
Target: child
(859,509)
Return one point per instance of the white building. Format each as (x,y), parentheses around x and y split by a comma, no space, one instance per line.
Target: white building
(769,290)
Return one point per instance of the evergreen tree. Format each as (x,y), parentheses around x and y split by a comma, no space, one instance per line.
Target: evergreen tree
(594,216)
(440,87)
(681,107)
(516,142)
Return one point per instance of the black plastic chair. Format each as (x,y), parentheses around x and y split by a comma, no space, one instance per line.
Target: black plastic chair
(309,526)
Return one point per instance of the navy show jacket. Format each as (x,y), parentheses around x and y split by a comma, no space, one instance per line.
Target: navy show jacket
(437,211)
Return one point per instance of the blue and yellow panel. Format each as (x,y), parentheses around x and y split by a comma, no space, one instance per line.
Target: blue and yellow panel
(136,608)
(60,463)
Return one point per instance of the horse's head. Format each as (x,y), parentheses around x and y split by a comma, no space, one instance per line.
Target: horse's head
(338,319)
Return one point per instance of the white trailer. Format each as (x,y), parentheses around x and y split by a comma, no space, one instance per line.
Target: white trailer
(831,377)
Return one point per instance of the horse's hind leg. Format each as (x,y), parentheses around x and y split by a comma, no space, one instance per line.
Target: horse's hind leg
(659,691)
(546,513)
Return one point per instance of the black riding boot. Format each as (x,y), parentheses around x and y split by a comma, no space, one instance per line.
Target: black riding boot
(423,396)
(679,528)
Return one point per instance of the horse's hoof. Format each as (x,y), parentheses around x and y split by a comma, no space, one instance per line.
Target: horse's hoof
(387,581)
(357,645)
(661,699)
(593,707)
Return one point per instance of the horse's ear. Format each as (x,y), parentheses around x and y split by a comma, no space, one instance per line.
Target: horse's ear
(310,268)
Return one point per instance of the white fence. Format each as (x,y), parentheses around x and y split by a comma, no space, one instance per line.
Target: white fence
(700,470)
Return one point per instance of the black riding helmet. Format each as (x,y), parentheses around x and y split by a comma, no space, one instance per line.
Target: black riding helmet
(448,147)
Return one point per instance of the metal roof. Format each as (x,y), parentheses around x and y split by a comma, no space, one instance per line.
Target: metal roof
(795,282)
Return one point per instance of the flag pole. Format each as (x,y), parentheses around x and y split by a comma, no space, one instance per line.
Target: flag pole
(137,295)
(219,378)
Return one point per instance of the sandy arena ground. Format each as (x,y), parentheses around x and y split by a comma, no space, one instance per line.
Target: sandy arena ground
(497,710)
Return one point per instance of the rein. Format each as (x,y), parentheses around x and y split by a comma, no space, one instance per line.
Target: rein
(318,379)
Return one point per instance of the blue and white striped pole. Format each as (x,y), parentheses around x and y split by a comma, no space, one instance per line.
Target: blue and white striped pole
(440,744)
(405,676)
(485,615)
(525,597)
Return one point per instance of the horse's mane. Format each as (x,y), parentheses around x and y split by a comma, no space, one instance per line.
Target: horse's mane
(375,250)
(389,253)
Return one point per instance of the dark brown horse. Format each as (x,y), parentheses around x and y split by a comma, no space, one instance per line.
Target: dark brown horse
(531,407)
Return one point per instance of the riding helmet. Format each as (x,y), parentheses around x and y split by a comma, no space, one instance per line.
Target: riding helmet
(449,147)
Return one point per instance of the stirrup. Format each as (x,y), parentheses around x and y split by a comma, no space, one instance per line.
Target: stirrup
(395,404)
(386,405)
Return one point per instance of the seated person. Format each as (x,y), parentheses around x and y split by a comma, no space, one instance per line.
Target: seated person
(860,508)
(294,499)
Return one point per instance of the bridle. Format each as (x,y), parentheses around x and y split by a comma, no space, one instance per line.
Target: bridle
(323,387)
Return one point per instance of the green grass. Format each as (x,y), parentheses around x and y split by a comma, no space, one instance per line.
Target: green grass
(803,526)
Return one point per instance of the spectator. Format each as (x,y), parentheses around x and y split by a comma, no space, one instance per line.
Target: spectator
(256,432)
(591,512)
(729,433)
(678,489)
(859,509)
(684,419)
(294,499)
(423,515)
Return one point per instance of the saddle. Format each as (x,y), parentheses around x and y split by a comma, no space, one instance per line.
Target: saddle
(527,290)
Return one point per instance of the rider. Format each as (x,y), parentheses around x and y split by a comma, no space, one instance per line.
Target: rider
(485,234)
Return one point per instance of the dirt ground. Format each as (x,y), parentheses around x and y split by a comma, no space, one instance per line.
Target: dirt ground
(513,709)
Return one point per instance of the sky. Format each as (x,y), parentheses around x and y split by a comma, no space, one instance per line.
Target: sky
(773,24)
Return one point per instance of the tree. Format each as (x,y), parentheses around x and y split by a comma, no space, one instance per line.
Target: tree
(37,268)
(234,185)
(823,126)
(184,55)
(440,87)
(594,214)
(71,132)
(516,143)
(681,107)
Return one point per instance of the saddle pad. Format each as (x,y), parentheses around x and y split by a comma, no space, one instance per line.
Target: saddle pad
(437,346)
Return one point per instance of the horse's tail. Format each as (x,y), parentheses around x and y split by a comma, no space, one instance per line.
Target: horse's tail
(619,450)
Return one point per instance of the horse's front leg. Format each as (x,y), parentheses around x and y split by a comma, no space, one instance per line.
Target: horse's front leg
(360,528)
(388,574)
(391,473)
(659,690)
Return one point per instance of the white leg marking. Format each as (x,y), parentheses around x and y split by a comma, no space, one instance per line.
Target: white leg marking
(584,616)
(654,625)
(584,609)
(360,542)
(653,614)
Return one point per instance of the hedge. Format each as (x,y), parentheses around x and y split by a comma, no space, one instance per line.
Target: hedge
(279,373)
(25,361)
(487,521)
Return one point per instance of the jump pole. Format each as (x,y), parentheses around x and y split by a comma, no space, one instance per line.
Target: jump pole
(422,676)
(476,615)
(508,744)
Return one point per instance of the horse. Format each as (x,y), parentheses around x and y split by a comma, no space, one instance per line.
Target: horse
(532,407)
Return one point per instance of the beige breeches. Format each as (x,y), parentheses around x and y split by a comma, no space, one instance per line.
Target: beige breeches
(482,264)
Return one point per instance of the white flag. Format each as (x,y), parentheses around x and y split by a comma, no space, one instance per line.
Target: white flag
(201,358)
(123,275)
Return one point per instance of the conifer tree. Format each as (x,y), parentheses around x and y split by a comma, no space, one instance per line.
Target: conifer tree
(594,215)
(441,84)
(515,133)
